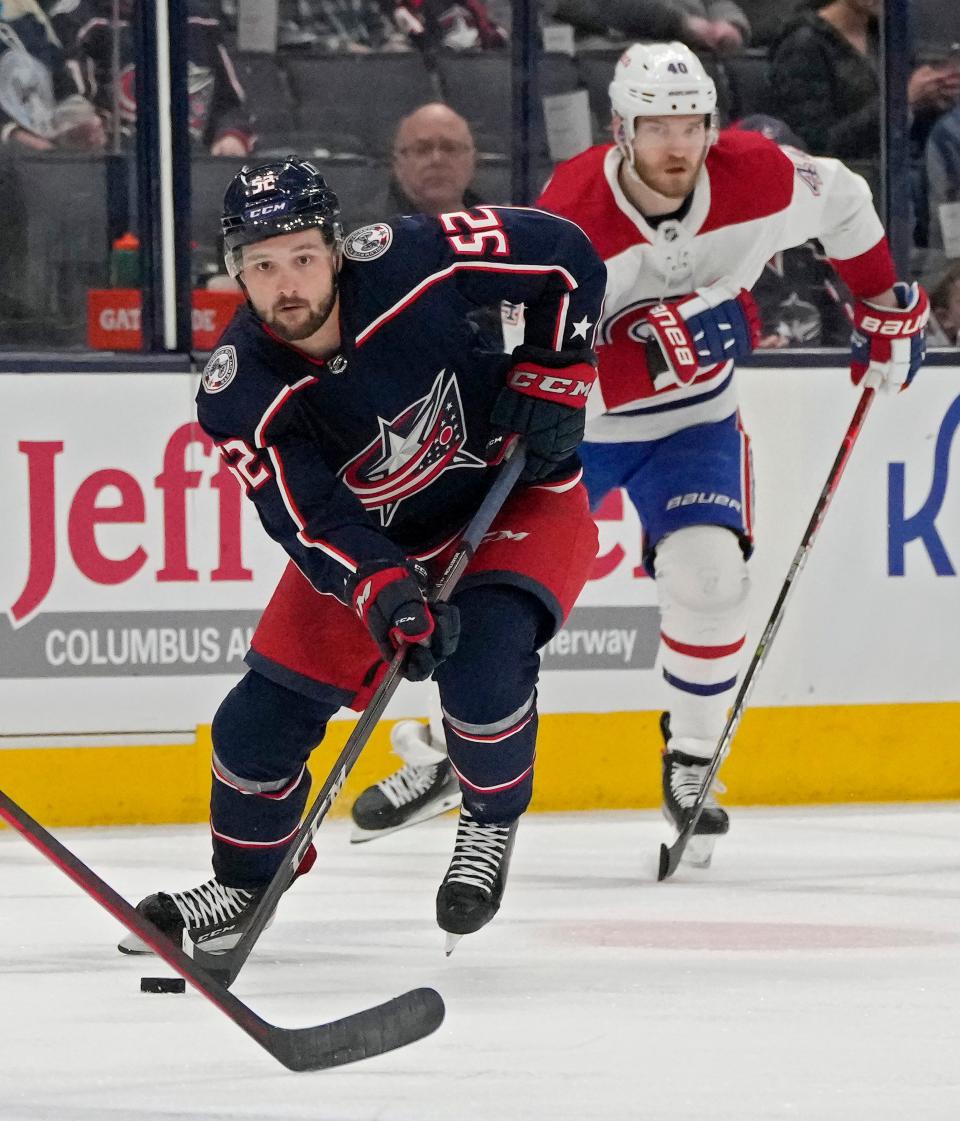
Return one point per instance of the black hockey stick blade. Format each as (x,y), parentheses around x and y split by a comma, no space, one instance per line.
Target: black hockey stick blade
(400,1021)
(670,857)
(226,966)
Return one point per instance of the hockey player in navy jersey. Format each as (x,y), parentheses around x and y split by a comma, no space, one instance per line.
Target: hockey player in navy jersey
(686,220)
(356,403)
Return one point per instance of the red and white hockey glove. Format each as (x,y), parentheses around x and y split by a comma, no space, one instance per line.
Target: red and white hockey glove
(888,345)
(703,329)
(544,401)
(392,608)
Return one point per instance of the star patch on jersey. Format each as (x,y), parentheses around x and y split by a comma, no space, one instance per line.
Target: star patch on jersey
(220,370)
(369,242)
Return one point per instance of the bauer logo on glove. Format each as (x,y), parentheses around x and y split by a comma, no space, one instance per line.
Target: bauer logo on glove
(889,344)
(710,326)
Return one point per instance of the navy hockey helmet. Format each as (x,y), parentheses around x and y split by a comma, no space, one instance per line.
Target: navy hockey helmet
(269,199)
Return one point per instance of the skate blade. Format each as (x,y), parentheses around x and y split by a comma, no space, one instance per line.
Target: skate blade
(699,850)
(435,809)
(451,943)
(135,947)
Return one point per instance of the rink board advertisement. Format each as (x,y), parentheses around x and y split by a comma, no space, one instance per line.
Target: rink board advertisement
(135,571)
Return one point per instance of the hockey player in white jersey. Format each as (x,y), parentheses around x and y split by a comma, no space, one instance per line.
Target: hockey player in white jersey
(685,219)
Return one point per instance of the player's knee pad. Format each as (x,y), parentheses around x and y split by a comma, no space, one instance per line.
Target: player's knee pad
(488,691)
(262,731)
(262,736)
(701,569)
(702,583)
(495,666)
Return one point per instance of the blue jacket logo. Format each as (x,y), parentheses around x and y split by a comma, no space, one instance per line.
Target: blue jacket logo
(902,528)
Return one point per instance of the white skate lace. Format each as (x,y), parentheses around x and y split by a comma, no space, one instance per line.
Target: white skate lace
(212,903)
(478,852)
(686,780)
(408,783)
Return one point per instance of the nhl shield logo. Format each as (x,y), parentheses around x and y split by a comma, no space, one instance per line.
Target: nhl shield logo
(220,370)
(368,243)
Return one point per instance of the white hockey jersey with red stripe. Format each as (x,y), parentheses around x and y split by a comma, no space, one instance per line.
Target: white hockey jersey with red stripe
(752,199)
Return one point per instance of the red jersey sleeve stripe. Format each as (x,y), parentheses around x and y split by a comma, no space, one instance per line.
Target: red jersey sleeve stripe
(276,405)
(484,266)
(298,520)
(869,274)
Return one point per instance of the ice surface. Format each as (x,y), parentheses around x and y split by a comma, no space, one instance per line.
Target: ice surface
(813,972)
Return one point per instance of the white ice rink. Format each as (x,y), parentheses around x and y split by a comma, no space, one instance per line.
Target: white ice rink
(812,973)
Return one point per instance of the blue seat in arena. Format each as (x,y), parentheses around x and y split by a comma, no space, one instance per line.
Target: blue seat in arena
(595,68)
(749,78)
(268,100)
(493,180)
(209,177)
(351,103)
(478,85)
(55,231)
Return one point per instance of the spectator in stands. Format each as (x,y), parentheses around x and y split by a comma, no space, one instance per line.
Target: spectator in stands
(383,25)
(943,183)
(825,82)
(354,26)
(944,329)
(434,160)
(41,106)
(218,117)
(453,24)
(716,25)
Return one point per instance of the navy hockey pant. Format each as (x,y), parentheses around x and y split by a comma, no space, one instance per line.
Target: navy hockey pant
(263,735)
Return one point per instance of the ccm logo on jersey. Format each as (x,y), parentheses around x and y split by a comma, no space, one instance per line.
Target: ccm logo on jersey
(548,385)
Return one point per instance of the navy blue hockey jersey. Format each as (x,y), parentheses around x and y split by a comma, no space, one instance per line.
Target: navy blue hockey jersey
(376,453)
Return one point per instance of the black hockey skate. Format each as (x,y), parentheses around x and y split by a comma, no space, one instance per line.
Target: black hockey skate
(683,776)
(212,916)
(471,891)
(423,787)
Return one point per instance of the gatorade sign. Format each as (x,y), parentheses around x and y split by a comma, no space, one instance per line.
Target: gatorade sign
(113,317)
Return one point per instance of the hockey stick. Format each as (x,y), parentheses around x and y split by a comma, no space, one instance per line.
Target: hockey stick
(225,966)
(373,1031)
(670,856)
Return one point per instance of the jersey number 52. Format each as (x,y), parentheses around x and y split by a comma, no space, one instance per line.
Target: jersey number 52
(472,230)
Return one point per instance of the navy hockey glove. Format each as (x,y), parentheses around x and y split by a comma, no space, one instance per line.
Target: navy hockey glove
(392,608)
(543,401)
(697,331)
(889,344)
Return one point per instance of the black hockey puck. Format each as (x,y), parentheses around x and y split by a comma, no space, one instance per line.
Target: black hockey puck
(162,985)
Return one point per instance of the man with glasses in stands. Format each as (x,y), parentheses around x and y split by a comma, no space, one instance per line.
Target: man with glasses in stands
(433,163)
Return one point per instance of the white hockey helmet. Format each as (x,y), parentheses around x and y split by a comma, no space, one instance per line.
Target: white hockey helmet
(661,79)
